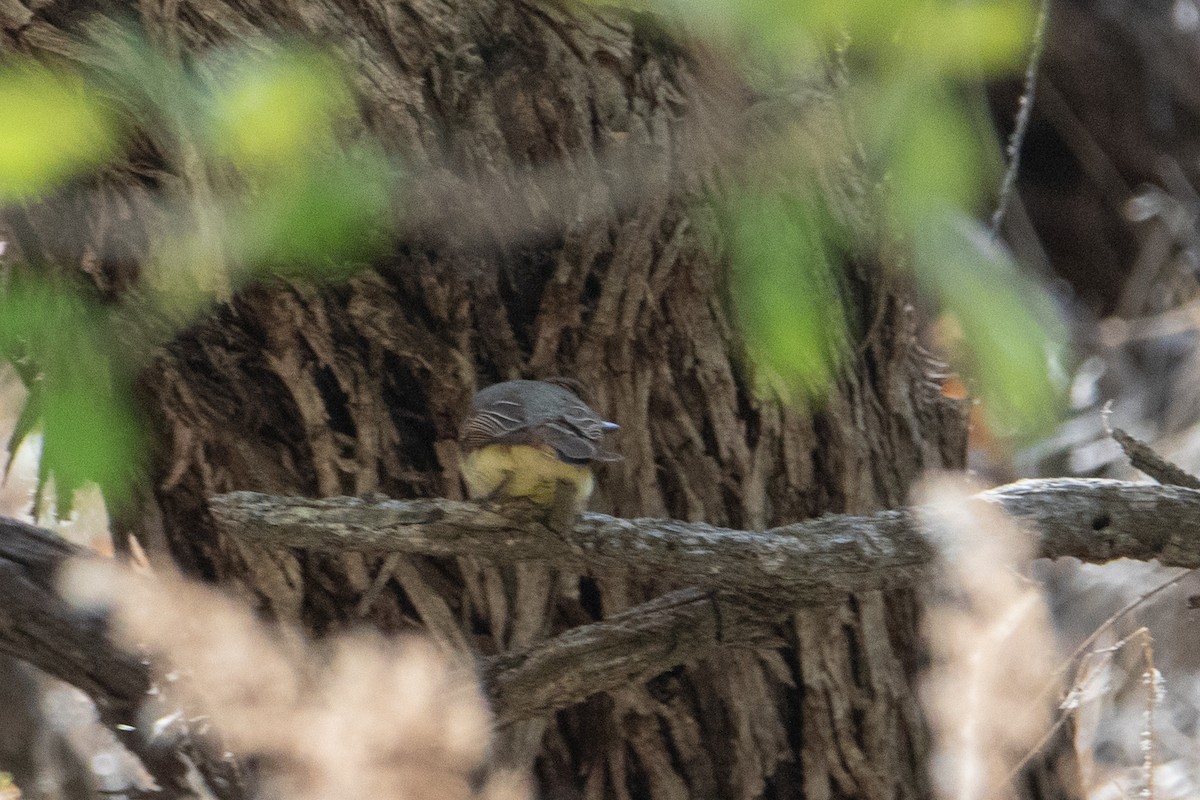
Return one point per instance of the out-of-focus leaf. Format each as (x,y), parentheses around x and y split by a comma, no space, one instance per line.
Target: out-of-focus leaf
(322,215)
(89,432)
(785,293)
(278,110)
(948,36)
(934,156)
(971,39)
(27,423)
(50,129)
(89,435)
(869,23)
(1010,329)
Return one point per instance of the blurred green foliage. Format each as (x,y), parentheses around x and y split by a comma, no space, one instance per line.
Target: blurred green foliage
(274,110)
(326,213)
(930,151)
(912,67)
(952,37)
(51,128)
(79,401)
(1009,327)
(785,285)
(272,192)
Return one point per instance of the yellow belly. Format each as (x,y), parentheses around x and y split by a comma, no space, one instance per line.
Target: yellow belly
(534,473)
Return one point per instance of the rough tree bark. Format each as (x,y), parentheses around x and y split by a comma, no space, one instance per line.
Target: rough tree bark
(615,279)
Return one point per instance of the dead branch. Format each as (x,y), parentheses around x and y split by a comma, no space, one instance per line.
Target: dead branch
(626,649)
(1144,457)
(805,563)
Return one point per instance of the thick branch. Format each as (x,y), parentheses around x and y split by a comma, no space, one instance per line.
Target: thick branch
(630,647)
(810,563)
(38,626)
(806,563)
(755,578)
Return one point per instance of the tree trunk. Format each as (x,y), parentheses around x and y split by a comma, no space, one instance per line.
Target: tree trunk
(620,283)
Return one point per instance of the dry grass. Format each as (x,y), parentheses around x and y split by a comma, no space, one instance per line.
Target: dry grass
(352,716)
(996,677)
(991,644)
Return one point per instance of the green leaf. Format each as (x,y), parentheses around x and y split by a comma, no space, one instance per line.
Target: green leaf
(80,401)
(27,423)
(785,292)
(948,37)
(89,434)
(328,213)
(274,111)
(869,23)
(51,128)
(970,39)
(934,155)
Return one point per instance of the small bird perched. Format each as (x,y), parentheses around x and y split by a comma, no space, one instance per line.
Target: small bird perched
(533,439)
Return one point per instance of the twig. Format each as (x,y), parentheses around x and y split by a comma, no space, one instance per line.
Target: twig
(1112,620)
(1152,680)
(1143,457)
(1021,124)
(1083,648)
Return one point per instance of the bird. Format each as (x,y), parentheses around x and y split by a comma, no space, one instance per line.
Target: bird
(534,439)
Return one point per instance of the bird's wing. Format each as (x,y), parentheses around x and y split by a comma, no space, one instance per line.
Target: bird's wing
(501,422)
(567,442)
